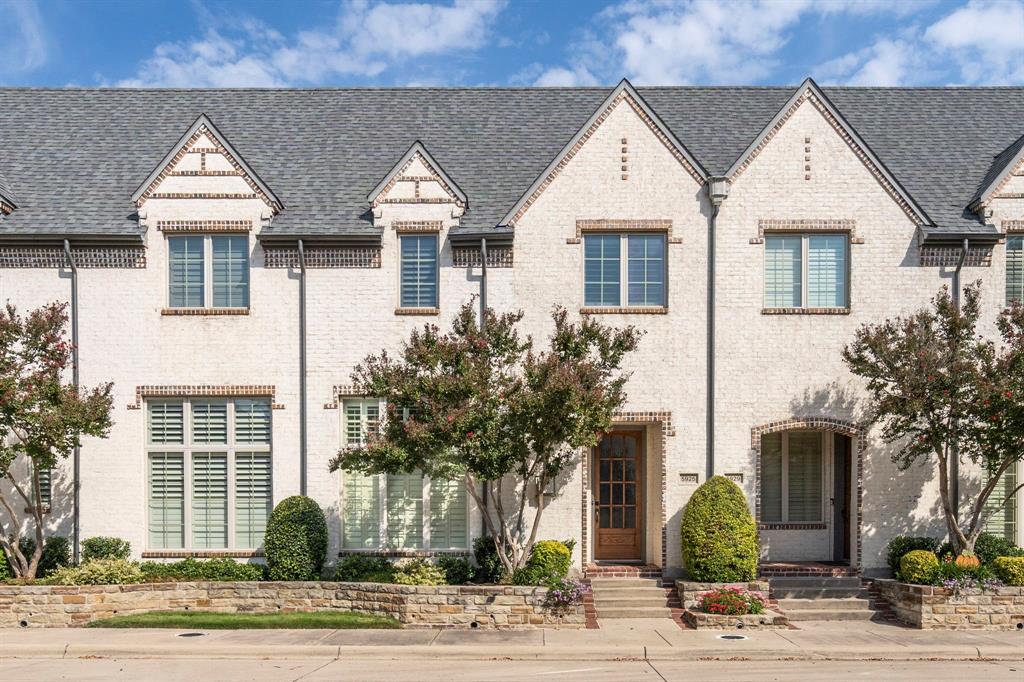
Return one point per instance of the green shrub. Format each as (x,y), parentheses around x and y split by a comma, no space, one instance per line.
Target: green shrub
(719,536)
(105,548)
(98,572)
(190,570)
(360,568)
(901,544)
(457,569)
(6,572)
(56,554)
(489,568)
(418,572)
(918,566)
(1010,569)
(988,547)
(296,540)
(549,562)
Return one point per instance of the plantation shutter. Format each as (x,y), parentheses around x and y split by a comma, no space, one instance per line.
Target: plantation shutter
(253,498)
(209,422)
(210,500)
(419,271)
(805,476)
(771,477)
(783,272)
(447,514)
(252,421)
(186,272)
(646,269)
(405,511)
(602,270)
(231,272)
(361,518)
(45,487)
(166,423)
(1014,269)
(166,500)
(1002,519)
(826,271)
(362,420)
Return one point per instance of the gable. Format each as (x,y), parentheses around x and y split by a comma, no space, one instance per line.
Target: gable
(1006,178)
(810,94)
(204,165)
(623,94)
(417,178)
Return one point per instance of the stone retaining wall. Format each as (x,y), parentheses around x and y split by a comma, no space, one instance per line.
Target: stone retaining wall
(690,592)
(689,595)
(935,608)
(442,606)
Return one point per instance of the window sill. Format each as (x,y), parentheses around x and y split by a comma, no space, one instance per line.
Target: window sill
(417,311)
(404,553)
(203,311)
(202,553)
(805,311)
(31,510)
(791,526)
(623,310)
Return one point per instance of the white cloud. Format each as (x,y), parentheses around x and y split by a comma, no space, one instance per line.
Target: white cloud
(885,63)
(365,40)
(24,45)
(986,40)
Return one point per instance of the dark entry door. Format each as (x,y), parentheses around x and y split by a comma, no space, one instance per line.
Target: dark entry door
(619,496)
(841,500)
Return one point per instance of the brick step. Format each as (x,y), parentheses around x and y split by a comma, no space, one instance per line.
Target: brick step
(818,593)
(819,582)
(788,605)
(634,612)
(829,614)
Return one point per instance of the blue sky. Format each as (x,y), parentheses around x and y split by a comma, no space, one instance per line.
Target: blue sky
(308,43)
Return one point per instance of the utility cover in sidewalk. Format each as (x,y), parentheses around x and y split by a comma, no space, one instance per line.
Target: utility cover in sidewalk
(732,637)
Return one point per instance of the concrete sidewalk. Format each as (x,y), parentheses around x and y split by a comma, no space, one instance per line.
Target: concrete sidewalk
(617,640)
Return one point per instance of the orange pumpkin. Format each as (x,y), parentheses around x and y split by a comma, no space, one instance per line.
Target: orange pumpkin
(966,560)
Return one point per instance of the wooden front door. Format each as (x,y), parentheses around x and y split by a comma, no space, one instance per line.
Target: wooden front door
(618,496)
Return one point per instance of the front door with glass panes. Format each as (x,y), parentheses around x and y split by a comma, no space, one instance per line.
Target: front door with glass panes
(618,496)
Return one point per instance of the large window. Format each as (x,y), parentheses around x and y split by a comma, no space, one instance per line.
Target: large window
(396,511)
(1002,519)
(638,279)
(806,271)
(209,471)
(419,270)
(792,477)
(221,260)
(1014,269)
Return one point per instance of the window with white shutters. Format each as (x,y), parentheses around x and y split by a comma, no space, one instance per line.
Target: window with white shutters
(792,477)
(1014,269)
(624,269)
(210,473)
(418,270)
(1002,518)
(806,271)
(197,261)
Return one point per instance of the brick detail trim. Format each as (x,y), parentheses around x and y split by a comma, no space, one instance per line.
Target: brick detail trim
(417,225)
(340,392)
(203,312)
(1013,226)
(805,311)
(807,225)
(497,257)
(949,256)
(127,257)
(404,553)
(323,257)
(202,553)
(791,526)
(219,148)
(856,432)
(204,225)
(668,430)
(588,133)
(205,391)
(435,177)
(5,208)
(808,96)
(624,310)
(204,173)
(417,311)
(203,195)
(624,225)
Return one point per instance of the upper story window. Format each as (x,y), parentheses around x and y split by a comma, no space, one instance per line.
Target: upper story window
(208,271)
(418,270)
(1014,269)
(624,270)
(806,271)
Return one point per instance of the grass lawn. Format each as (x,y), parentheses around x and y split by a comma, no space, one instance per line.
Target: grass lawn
(199,620)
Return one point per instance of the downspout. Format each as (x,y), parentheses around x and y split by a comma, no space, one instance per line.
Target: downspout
(718,190)
(302,368)
(77,457)
(954,463)
(483,312)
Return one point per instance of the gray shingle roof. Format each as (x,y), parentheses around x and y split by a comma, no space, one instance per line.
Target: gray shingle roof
(6,191)
(76,156)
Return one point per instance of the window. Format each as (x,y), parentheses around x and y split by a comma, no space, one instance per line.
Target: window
(209,470)
(419,270)
(396,511)
(792,477)
(806,271)
(1002,519)
(195,260)
(638,279)
(1014,269)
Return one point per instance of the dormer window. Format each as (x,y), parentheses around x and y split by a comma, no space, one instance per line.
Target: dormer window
(208,272)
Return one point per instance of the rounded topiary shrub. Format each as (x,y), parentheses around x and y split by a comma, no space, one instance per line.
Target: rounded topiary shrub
(719,536)
(917,566)
(296,540)
(105,548)
(549,562)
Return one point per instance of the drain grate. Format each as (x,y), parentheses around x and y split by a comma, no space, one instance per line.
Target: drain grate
(191,634)
(732,637)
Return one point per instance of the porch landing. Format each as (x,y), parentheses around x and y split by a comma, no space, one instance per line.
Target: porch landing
(805,569)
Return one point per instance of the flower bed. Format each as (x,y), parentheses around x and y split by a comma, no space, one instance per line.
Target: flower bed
(692,595)
(931,607)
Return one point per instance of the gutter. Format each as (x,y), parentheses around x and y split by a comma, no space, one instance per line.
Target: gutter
(718,191)
(954,463)
(302,368)
(77,457)
(483,312)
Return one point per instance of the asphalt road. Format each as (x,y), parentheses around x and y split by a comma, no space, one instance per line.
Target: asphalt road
(105,670)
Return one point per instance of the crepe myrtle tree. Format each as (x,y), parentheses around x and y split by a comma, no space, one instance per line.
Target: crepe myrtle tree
(42,419)
(940,391)
(481,404)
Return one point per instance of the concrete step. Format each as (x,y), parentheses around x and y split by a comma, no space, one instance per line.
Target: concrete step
(617,583)
(789,583)
(818,592)
(828,614)
(654,601)
(788,605)
(628,612)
